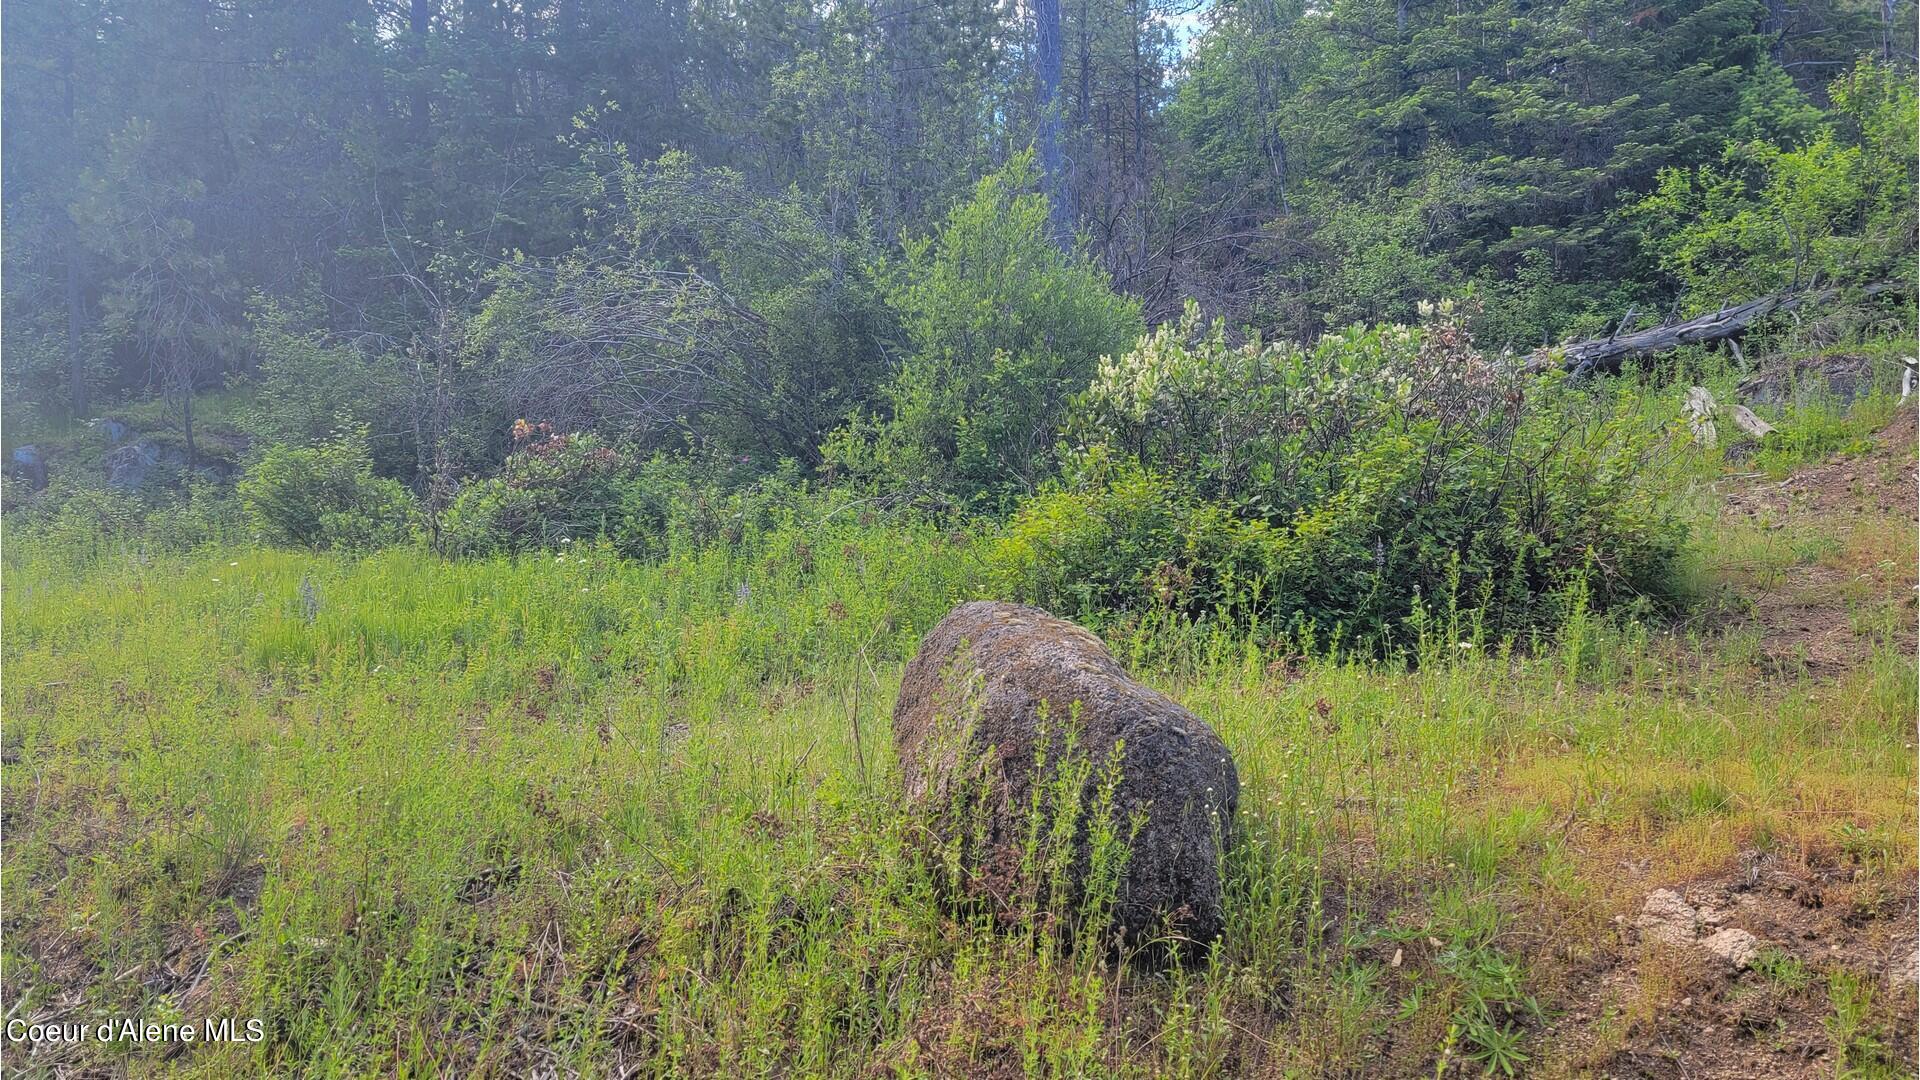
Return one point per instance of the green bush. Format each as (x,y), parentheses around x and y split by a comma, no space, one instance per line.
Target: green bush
(1344,489)
(554,488)
(1005,327)
(693,510)
(698,306)
(1835,206)
(559,489)
(325,497)
(83,521)
(308,385)
(1820,426)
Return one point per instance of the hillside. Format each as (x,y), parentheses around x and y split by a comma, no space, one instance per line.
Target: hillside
(575,814)
(493,496)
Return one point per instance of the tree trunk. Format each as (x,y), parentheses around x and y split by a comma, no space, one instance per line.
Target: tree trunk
(419,15)
(1773,26)
(1046,19)
(186,415)
(1403,80)
(1138,183)
(76,361)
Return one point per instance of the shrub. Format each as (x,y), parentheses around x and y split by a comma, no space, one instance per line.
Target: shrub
(83,521)
(325,496)
(1344,486)
(557,489)
(1820,426)
(700,307)
(694,510)
(1837,208)
(309,385)
(1005,327)
(553,488)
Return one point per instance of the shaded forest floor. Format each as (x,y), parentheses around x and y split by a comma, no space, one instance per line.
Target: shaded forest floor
(573,815)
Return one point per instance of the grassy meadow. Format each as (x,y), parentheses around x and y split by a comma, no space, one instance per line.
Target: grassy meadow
(580,815)
(474,475)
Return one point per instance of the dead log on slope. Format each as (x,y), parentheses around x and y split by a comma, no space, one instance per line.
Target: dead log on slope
(1728,324)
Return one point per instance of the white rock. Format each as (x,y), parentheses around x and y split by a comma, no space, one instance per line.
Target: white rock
(1667,917)
(1904,972)
(1736,947)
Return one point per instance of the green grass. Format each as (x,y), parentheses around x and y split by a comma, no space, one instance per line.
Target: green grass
(1858,1041)
(579,813)
(1813,430)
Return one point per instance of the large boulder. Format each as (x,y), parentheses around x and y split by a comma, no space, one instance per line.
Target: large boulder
(988,682)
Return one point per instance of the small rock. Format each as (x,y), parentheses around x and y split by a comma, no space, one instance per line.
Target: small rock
(129,466)
(1736,947)
(1668,918)
(1904,973)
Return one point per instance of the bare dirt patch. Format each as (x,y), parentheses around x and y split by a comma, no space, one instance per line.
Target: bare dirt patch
(1666,1001)
(1799,962)
(1850,521)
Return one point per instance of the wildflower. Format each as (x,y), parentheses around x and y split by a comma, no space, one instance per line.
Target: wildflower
(1464,645)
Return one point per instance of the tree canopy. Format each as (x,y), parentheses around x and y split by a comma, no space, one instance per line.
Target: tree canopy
(751,225)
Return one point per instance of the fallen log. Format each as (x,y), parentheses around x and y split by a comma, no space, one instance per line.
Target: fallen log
(1728,324)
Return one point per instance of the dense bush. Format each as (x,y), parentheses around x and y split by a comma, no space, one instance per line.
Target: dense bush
(1831,203)
(309,384)
(690,509)
(698,305)
(1340,486)
(557,489)
(325,496)
(85,520)
(553,488)
(1004,327)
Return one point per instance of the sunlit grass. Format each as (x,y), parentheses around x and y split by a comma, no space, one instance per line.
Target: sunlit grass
(423,815)
(595,816)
